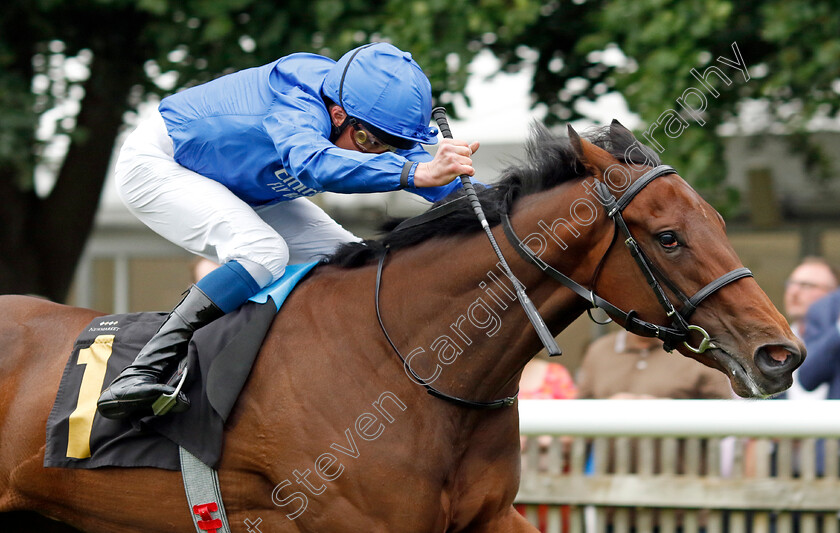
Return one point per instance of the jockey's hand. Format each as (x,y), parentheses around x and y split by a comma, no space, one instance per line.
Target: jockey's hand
(451,160)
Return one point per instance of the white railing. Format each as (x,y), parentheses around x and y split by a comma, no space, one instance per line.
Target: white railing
(680,465)
(685,418)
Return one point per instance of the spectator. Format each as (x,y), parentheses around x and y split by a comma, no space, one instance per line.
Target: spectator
(822,339)
(817,324)
(811,280)
(822,365)
(545,380)
(622,366)
(626,366)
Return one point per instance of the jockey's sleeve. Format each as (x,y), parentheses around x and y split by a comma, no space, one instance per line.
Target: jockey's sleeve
(299,137)
(433,194)
(306,153)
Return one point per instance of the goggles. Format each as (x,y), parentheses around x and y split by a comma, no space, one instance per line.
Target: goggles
(367,141)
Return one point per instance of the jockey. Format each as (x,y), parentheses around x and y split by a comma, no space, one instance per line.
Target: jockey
(223,169)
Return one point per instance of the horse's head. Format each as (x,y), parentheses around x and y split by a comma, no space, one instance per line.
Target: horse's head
(683,239)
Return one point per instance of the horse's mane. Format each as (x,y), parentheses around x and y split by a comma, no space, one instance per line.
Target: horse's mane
(550,161)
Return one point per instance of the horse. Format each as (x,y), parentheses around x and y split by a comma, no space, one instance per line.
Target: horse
(334,431)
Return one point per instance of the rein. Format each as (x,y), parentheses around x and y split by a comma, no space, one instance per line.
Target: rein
(496,404)
(679,329)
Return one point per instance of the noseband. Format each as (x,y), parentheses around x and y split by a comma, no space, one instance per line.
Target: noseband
(679,329)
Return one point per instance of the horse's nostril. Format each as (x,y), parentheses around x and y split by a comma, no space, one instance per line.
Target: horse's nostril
(777,353)
(775,359)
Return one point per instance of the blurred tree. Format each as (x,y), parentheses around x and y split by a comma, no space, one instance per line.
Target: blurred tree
(82,66)
(646,50)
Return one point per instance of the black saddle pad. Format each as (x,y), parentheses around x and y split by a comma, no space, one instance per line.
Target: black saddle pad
(220,359)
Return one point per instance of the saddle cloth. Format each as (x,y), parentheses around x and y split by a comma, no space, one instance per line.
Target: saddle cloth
(219,358)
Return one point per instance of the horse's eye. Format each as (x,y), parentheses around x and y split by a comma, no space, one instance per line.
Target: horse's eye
(668,240)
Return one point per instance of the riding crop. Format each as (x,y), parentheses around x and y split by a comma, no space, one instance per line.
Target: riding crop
(542,330)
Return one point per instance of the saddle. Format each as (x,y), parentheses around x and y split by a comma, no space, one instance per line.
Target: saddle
(218,364)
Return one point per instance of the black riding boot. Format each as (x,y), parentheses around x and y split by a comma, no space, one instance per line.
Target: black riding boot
(138,386)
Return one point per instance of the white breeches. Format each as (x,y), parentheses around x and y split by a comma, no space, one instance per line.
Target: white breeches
(206,218)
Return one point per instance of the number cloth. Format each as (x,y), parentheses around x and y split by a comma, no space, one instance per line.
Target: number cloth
(220,359)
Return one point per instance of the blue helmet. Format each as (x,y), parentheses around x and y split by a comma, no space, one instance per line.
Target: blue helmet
(383,86)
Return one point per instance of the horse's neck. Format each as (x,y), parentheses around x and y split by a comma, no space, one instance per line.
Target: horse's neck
(450,304)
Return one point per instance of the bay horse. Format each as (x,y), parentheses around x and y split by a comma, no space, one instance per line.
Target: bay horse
(333,433)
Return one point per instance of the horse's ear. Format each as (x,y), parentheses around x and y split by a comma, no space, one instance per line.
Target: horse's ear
(591,156)
(617,130)
(575,139)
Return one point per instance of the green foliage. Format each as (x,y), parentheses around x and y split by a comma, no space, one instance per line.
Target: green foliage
(197,40)
(791,48)
(86,63)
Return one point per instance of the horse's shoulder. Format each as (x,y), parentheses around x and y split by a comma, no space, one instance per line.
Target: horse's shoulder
(335,280)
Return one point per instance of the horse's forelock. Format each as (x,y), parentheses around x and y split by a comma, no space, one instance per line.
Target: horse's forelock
(623,145)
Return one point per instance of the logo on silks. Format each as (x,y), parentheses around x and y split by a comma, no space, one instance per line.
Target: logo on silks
(207,522)
(107,325)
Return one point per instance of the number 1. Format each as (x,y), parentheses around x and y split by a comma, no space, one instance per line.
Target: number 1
(95,358)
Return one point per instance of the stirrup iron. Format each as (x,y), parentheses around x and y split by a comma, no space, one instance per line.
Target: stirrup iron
(166,402)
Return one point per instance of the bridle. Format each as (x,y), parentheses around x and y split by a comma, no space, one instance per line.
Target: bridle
(680,328)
